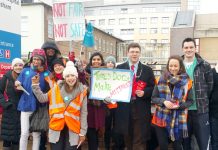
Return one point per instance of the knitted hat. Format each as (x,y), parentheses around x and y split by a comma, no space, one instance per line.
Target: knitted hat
(57,61)
(112,59)
(40,53)
(16,61)
(70,69)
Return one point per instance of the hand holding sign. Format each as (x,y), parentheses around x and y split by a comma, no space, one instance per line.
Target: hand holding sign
(35,79)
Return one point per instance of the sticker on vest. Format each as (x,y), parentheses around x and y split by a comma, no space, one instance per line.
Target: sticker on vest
(66,98)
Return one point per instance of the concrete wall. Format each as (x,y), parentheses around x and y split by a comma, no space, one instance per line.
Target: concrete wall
(209,49)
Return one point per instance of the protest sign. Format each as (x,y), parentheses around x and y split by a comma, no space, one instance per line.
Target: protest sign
(69,21)
(113,83)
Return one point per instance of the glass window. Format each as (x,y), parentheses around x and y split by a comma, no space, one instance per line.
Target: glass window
(165,20)
(111,21)
(143,20)
(107,11)
(142,41)
(132,20)
(143,30)
(148,9)
(124,10)
(122,21)
(154,20)
(102,22)
(171,9)
(164,41)
(153,41)
(153,30)
(164,30)
(126,31)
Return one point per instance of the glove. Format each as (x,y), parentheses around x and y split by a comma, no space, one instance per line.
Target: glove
(107,100)
(18,85)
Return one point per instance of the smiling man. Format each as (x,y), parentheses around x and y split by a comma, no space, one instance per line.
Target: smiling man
(198,115)
(132,120)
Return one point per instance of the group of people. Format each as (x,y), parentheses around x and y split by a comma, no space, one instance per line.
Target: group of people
(184,97)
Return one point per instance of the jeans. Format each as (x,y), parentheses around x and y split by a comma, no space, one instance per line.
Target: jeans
(24,119)
(214,132)
(198,125)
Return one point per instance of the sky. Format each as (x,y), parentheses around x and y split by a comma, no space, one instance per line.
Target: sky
(209,6)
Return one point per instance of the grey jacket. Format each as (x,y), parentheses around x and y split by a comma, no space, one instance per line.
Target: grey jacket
(203,83)
(55,135)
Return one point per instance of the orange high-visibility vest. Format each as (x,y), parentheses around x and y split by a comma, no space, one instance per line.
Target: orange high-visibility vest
(61,114)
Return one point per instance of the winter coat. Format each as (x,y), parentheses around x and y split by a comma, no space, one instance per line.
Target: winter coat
(123,123)
(10,129)
(203,84)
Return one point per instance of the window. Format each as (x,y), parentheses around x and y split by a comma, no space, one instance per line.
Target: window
(171,9)
(107,12)
(142,41)
(89,12)
(148,9)
(102,22)
(164,30)
(193,4)
(111,22)
(103,46)
(153,41)
(153,30)
(132,20)
(50,28)
(122,21)
(92,22)
(143,30)
(124,10)
(24,26)
(197,41)
(99,44)
(126,31)
(154,20)
(164,41)
(143,20)
(165,20)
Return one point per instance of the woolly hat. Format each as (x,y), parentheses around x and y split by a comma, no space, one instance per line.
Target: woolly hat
(16,61)
(70,69)
(40,53)
(57,61)
(112,59)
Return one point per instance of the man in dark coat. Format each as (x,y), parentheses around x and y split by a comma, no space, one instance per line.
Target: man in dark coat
(133,119)
(52,52)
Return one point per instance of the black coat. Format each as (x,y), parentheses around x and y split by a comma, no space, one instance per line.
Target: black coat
(10,128)
(143,104)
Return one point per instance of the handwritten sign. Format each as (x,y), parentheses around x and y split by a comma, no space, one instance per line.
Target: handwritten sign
(69,21)
(113,83)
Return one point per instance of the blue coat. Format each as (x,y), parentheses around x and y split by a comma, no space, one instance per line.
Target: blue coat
(29,102)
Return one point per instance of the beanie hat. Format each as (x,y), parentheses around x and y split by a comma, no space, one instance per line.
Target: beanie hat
(112,59)
(40,53)
(16,61)
(70,69)
(57,61)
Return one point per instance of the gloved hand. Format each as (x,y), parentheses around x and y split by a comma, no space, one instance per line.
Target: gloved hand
(18,85)
(107,100)
(35,79)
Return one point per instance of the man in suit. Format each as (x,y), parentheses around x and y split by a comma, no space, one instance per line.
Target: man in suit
(132,120)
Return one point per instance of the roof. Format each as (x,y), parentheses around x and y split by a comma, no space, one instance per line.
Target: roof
(184,19)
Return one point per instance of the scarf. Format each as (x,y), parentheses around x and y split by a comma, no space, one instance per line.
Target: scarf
(175,120)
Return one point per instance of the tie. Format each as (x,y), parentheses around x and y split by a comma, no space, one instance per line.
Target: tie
(134,81)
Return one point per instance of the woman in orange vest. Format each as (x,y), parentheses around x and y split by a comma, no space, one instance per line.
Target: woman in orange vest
(172,96)
(67,110)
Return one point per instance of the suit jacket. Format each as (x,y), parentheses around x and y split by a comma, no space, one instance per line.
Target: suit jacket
(142,105)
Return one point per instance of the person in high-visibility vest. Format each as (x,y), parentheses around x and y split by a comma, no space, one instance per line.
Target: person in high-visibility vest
(172,96)
(67,110)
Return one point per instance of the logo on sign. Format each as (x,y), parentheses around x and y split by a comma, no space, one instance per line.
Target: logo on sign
(1,53)
(7,54)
